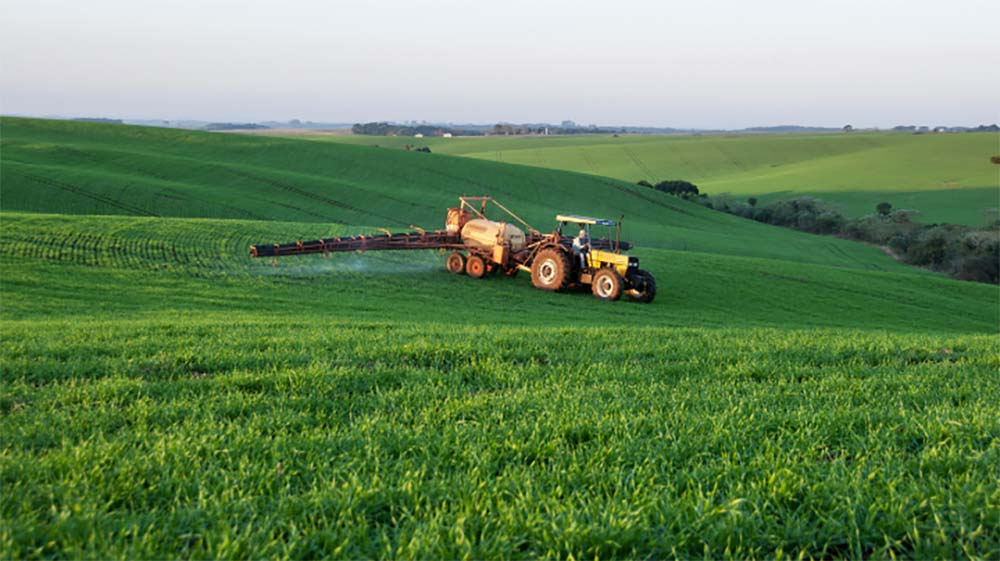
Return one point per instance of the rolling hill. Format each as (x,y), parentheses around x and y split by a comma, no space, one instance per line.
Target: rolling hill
(146,265)
(947,177)
(162,395)
(86,168)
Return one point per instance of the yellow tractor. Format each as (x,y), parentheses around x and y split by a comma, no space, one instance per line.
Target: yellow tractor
(481,246)
(557,265)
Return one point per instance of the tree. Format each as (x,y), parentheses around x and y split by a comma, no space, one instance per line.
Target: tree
(883,209)
(644,183)
(752,201)
(848,128)
(677,187)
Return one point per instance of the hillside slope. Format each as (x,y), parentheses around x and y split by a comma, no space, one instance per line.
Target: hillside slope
(86,168)
(166,396)
(948,177)
(85,265)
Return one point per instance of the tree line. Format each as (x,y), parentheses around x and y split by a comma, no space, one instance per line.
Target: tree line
(383,128)
(233,126)
(963,252)
(388,129)
(511,129)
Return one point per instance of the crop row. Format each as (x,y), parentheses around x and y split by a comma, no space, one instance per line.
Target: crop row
(188,252)
(235,436)
(190,247)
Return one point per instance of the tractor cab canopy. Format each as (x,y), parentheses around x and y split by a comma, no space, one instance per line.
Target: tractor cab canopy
(586,222)
(574,219)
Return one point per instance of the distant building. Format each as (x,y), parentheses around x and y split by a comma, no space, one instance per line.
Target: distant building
(446,135)
(418,135)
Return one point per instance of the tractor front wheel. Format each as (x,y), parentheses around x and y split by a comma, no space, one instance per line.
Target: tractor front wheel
(550,270)
(475,267)
(455,263)
(643,287)
(607,285)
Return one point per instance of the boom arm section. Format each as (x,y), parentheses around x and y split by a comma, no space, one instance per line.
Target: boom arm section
(440,239)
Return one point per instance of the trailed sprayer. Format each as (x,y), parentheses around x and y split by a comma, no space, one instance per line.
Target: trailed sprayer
(481,246)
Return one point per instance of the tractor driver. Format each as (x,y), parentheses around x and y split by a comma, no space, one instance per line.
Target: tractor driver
(581,245)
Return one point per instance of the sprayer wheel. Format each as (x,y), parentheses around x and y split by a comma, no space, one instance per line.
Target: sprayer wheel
(475,267)
(455,263)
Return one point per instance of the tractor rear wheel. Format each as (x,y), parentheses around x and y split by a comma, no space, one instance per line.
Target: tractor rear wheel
(551,269)
(455,263)
(475,267)
(643,288)
(607,285)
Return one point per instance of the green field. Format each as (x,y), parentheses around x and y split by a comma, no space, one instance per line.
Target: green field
(82,168)
(165,396)
(947,177)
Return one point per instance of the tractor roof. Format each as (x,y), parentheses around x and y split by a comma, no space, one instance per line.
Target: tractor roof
(584,220)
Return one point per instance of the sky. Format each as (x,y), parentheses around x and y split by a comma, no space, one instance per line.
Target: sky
(688,64)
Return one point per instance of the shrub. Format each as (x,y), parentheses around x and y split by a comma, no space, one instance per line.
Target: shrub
(963,252)
(933,247)
(677,187)
(829,222)
(762,214)
(899,243)
(979,268)
(960,251)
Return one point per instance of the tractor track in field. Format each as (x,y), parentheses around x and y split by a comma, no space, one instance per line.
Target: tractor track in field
(888,251)
(650,200)
(640,164)
(590,162)
(690,163)
(114,160)
(306,212)
(731,157)
(69,188)
(163,192)
(404,202)
(310,195)
(835,249)
(264,203)
(328,200)
(492,189)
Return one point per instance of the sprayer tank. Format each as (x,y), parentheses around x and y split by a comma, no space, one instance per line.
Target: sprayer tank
(487,234)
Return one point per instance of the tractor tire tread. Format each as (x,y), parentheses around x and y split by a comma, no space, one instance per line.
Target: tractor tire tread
(563,270)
